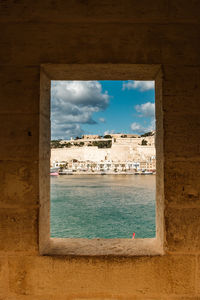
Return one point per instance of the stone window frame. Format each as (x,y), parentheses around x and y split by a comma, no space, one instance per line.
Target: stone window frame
(98,246)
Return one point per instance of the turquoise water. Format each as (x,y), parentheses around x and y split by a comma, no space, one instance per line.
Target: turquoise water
(109,206)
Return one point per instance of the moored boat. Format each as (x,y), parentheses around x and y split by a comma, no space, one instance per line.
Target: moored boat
(146,173)
(54,173)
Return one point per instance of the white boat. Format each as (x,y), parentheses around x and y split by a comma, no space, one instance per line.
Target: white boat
(66,172)
(146,173)
(54,174)
(54,171)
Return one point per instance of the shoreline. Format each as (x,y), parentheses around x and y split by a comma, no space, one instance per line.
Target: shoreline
(102,173)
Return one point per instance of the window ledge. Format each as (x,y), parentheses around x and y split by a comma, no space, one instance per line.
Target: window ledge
(102,247)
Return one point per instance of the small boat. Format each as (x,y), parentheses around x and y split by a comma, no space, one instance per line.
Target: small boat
(65,172)
(54,174)
(146,173)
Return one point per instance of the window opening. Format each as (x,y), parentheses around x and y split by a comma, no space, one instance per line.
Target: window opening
(103,159)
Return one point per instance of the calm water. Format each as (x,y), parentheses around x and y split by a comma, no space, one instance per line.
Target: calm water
(109,206)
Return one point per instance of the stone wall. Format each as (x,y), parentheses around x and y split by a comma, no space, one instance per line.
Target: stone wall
(146,151)
(142,32)
(79,153)
(116,153)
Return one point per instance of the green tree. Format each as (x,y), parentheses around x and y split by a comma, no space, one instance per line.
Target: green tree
(147,134)
(68,145)
(56,144)
(144,142)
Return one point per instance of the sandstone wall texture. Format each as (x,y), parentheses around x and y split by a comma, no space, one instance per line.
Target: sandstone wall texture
(81,154)
(162,32)
(116,153)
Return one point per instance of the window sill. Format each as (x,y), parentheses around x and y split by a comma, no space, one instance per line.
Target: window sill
(102,247)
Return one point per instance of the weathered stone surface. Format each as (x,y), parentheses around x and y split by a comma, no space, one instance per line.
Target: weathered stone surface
(19,135)
(180,93)
(185,103)
(19,184)
(3,276)
(28,297)
(182,229)
(181,10)
(181,81)
(198,276)
(93,296)
(97,297)
(104,11)
(182,180)
(19,89)
(141,43)
(85,11)
(112,37)
(38,32)
(191,297)
(44,151)
(183,138)
(158,275)
(18,230)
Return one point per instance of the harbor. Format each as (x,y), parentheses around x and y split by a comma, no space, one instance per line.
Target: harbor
(56,172)
(117,154)
(113,206)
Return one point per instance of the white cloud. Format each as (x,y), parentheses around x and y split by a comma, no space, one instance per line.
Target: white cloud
(147,112)
(72,104)
(66,131)
(146,109)
(140,129)
(137,128)
(102,120)
(152,125)
(109,132)
(140,85)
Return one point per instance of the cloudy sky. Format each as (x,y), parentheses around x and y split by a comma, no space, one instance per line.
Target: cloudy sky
(101,107)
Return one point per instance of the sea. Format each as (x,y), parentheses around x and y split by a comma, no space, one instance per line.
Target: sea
(103,206)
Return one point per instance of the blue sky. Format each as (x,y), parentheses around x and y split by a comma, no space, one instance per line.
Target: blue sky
(101,107)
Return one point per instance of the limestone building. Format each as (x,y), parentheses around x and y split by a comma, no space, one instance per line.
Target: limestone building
(114,33)
(121,150)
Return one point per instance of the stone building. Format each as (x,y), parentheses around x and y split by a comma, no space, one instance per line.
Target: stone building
(116,34)
(124,135)
(122,149)
(90,136)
